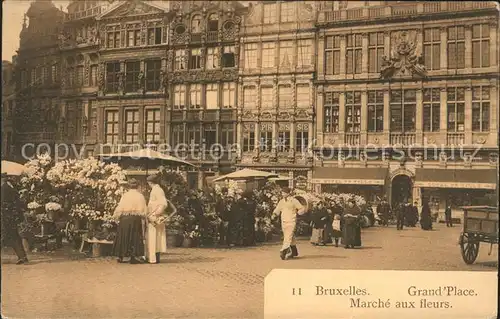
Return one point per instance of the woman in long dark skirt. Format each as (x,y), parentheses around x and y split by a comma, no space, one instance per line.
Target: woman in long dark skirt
(351,228)
(249,238)
(320,219)
(425,217)
(132,213)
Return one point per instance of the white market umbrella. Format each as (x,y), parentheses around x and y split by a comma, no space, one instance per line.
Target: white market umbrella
(146,154)
(246,173)
(12,168)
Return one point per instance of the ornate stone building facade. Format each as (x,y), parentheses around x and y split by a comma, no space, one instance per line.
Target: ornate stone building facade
(202,64)
(407,109)
(37,75)
(276,106)
(8,108)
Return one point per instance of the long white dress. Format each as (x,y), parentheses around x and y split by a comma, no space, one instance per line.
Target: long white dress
(156,234)
(288,208)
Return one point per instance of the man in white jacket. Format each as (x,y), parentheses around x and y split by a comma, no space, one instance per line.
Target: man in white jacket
(156,234)
(288,208)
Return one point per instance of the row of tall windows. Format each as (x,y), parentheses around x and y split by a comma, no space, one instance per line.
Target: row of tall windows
(289,54)
(133,39)
(208,134)
(283,137)
(284,98)
(214,58)
(402,110)
(131,133)
(432,45)
(209,96)
(132,81)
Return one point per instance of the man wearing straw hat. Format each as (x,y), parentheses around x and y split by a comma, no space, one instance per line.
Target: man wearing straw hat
(11,217)
(288,208)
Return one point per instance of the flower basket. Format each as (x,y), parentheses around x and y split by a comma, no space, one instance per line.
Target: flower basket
(188,242)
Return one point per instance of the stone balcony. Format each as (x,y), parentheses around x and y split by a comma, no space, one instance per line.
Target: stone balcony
(405,9)
(89,13)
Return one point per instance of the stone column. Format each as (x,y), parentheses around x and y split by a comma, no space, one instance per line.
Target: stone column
(419,127)
(387,112)
(342,116)
(257,135)
(493,107)
(164,131)
(364,60)
(387,43)
(201,178)
(142,127)
(321,56)
(444,48)
(343,44)
(364,118)
(493,42)
(443,115)
(468,116)
(320,114)
(292,135)
(121,125)
(468,47)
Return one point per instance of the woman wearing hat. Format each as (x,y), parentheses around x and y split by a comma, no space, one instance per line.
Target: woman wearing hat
(132,213)
(352,229)
(156,234)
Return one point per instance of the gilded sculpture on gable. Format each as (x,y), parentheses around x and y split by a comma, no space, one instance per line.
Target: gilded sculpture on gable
(404,58)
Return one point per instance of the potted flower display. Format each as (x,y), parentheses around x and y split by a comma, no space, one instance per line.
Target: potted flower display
(191,237)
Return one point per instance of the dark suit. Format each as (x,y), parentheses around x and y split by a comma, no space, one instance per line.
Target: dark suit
(12,215)
(400,216)
(447,216)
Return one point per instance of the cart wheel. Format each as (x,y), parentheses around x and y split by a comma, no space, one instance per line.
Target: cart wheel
(469,247)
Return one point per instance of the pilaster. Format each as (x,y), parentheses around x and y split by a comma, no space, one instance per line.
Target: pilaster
(443,116)
(364,59)
(320,56)
(468,47)
(364,117)
(494,107)
(343,44)
(444,48)
(493,42)
(342,115)
(468,116)
(387,112)
(419,117)
(320,114)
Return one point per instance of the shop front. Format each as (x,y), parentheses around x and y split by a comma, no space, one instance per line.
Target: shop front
(366,182)
(457,188)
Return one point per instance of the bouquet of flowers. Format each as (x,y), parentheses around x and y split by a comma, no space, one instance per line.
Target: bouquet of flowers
(53,207)
(33,205)
(193,234)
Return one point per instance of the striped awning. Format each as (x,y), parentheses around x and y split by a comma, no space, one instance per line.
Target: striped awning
(456,178)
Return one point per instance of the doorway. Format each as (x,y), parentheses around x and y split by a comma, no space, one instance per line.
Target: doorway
(401,190)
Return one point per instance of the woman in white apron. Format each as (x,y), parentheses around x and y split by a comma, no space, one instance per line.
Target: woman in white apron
(156,234)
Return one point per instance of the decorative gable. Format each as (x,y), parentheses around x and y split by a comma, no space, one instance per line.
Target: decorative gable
(131,8)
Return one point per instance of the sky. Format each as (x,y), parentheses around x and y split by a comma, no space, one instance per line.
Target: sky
(12,22)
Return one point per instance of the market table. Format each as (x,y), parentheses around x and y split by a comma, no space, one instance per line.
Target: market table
(97,245)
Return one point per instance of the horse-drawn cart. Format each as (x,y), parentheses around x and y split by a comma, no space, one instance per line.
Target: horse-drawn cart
(480,225)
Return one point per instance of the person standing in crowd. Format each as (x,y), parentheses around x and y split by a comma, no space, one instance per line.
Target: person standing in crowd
(336,229)
(235,225)
(288,208)
(249,219)
(156,234)
(384,211)
(351,233)
(224,225)
(319,222)
(447,216)
(414,214)
(425,216)
(12,216)
(131,212)
(400,216)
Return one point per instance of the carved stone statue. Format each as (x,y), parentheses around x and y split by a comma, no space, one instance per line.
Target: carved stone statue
(140,80)
(163,81)
(92,39)
(121,81)
(101,82)
(404,58)
(79,38)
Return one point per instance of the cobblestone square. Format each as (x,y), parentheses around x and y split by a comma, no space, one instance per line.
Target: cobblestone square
(209,283)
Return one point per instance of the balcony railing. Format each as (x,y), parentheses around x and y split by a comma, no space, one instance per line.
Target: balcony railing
(84,14)
(402,138)
(33,137)
(455,138)
(402,9)
(212,36)
(351,139)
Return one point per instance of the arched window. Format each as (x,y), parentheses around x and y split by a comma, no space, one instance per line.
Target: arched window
(196,24)
(213,22)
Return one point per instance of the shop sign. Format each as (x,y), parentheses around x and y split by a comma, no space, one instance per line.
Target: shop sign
(456,185)
(348,181)
(301,182)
